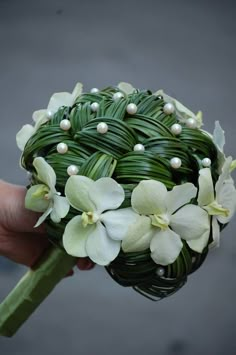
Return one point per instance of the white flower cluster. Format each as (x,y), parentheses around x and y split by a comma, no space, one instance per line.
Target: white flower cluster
(157,219)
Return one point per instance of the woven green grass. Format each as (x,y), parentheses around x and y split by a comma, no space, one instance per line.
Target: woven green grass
(112,155)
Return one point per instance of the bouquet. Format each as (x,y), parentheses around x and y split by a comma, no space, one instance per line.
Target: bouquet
(127,178)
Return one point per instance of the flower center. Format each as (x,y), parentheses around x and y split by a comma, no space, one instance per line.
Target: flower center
(41,192)
(89,218)
(215,209)
(160,220)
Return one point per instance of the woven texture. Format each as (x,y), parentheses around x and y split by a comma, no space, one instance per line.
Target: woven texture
(111,154)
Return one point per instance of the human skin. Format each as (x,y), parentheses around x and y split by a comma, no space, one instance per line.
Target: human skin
(19,240)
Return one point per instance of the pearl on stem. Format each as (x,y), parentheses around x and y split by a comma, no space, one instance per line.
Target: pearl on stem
(131,109)
(65,125)
(49,114)
(191,123)
(176,129)
(102,127)
(206,162)
(94,106)
(139,147)
(175,163)
(72,170)
(160,271)
(94,91)
(62,148)
(117,96)
(168,108)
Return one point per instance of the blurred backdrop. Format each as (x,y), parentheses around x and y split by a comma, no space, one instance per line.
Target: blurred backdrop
(184,47)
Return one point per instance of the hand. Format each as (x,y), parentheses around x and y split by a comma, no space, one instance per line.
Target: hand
(19,240)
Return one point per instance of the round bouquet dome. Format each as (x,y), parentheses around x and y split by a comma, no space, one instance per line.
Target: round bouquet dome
(129,179)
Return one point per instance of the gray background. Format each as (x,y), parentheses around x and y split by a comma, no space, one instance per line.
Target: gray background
(184,47)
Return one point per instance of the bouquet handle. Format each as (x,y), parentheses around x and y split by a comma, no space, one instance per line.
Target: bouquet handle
(33,288)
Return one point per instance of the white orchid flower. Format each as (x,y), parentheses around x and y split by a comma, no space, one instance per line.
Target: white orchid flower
(182,111)
(126,88)
(41,116)
(221,203)
(97,232)
(44,197)
(165,219)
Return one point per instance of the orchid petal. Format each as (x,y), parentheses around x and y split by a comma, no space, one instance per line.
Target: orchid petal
(45,215)
(35,198)
(219,136)
(165,247)
(100,248)
(227,199)
(126,88)
(225,175)
(40,116)
(77,191)
(106,194)
(149,197)
(24,135)
(179,196)
(190,222)
(206,189)
(78,89)
(58,100)
(139,235)
(75,237)
(61,208)
(118,222)
(45,172)
(215,233)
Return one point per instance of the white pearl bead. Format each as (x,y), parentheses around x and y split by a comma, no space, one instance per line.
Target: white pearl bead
(206,162)
(139,147)
(176,129)
(94,106)
(160,271)
(49,114)
(191,123)
(62,148)
(117,96)
(94,91)
(102,127)
(72,170)
(131,109)
(65,125)
(175,163)
(168,108)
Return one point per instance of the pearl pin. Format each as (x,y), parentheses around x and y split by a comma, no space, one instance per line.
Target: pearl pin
(62,148)
(94,106)
(72,170)
(206,162)
(117,96)
(94,91)
(176,129)
(160,271)
(65,125)
(102,127)
(131,109)
(175,163)
(139,148)
(168,108)
(49,114)
(191,123)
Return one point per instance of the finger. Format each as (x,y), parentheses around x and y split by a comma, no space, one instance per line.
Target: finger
(85,264)
(14,215)
(23,248)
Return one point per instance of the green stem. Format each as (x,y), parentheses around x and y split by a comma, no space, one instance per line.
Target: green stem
(32,289)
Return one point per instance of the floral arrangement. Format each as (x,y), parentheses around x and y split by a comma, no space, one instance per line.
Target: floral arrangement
(127,178)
